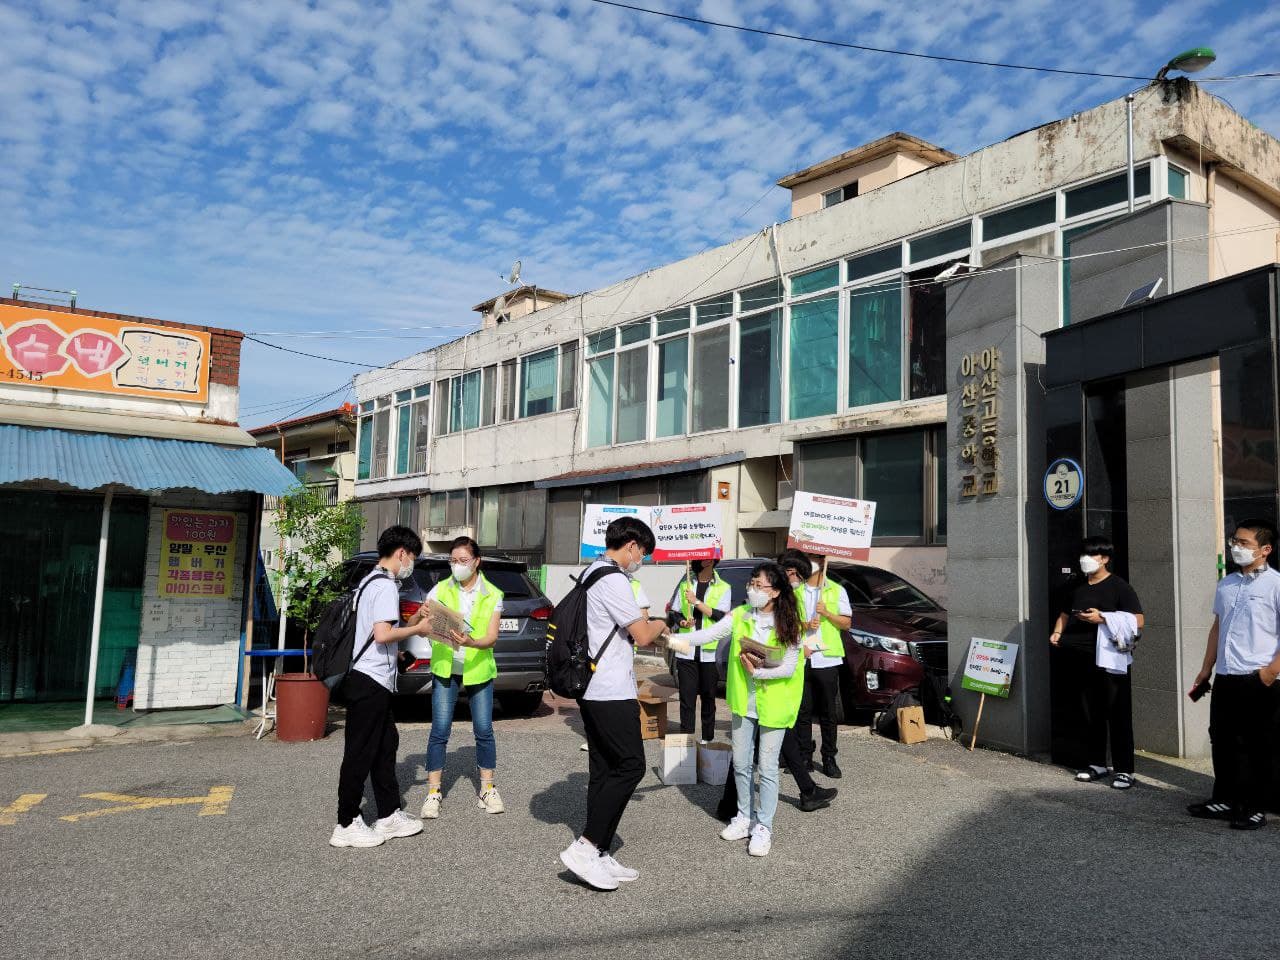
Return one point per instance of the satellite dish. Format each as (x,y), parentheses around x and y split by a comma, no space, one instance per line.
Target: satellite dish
(499,306)
(514,277)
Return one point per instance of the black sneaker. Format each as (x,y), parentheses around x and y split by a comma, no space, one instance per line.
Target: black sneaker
(1211,810)
(819,798)
(1251,821)
(831,769)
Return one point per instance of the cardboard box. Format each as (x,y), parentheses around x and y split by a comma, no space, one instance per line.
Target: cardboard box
(653,718)
(680,759)
(715,760)
(911,725)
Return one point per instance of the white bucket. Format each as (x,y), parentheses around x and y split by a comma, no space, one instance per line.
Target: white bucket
(714,761)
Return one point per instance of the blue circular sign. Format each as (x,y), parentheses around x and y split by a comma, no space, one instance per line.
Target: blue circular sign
(1063,484)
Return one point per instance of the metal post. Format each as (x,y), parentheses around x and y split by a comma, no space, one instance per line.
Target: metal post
(95,636)
(1128,105)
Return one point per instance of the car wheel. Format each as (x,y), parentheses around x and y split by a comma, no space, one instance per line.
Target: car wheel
(520,704)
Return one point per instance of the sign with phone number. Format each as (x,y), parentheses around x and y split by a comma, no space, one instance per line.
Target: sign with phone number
(197,554)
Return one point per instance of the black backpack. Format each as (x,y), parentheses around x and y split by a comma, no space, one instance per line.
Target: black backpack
(885,723)
(333,652)
(938,709)
(570,665)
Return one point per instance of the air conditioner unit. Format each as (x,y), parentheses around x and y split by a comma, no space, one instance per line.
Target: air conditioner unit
(786,490)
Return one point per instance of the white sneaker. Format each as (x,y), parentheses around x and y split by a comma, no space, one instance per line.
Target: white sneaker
(399,824)
(356,834)
(739,828)
(588,867)
(761,841)
(584,748)
(431,806)
(490,801)
(620,873)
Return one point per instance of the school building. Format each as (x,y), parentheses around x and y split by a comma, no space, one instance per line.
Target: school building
(129,506)
(911,336)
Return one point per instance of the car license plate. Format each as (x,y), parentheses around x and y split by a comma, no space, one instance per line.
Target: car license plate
(509,625)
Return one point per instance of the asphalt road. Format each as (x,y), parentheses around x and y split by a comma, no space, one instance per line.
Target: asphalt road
(929,852)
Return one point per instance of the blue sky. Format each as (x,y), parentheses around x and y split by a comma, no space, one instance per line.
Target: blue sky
(340,166)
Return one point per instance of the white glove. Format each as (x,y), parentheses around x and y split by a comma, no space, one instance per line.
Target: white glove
(677,644)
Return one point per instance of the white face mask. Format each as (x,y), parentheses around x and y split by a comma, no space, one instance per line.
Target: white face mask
(757,598)
(1243,556)
(633,566)
(461,571)
(405,571)
(1089,565)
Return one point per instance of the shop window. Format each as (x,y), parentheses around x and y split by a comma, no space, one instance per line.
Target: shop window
(633,390)
(538,384)
(1177,182)
(1108,192)
(568,375)
(487,517)
(761,295)
(672,401)
(829,468)
(407,510)
(564,525)
(672,321)
(639,493)
(685,488)
(364,463)
(600,402)
(437,508)
(488,395)
(893,476)
(939,487)
(714,308)
(814,280)
(534,519)
(760,369)
(951,240)
(870,264)
(875,344)
(927,333)
(710,405)
(1027,216)
(815,354)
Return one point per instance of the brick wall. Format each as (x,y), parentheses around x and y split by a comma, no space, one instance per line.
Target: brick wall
(224,364)
(187,666)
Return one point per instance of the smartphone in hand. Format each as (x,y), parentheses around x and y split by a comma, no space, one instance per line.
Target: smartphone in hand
(1199,690)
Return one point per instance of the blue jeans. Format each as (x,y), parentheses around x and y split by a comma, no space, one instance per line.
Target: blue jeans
(444,698)
(743,734)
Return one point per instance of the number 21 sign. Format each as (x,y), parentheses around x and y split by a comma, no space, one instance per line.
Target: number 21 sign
(1063,483)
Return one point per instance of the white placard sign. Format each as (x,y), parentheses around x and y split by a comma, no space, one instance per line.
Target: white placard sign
(596,517)
(832,526)
(686,531)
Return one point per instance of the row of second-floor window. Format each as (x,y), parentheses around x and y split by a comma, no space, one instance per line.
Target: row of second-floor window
(515,389)
(394,434)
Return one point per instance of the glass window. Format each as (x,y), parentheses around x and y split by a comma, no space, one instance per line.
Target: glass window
(507,409)
(950,240)
(673,320)
(568,375)
(761,295)
(404,436)
(487,523)
(715,308)
(684,488)
(760,369)
(365,461)
(1177,183)
(381,442)
(1037,213)
(538,383)
(456,508)
(633,393)
(814,280)
(421,433)
(940,486)
(893,476)
(600,402)
(1105,193)
(444,390)
(673,385)
(422,391)
(875,344)
(436,512)
(564,525)
(402,396)
(488,394)
(635,332)
(366,406)
(869,264)
(815,354)
(829,468)
(710,405)
(927,334)
(601,342)
(1068,235)
(465,410)
(407,512)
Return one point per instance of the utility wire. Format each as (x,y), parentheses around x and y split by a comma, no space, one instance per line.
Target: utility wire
(900,53)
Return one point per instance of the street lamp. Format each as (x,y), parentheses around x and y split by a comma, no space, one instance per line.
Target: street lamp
(1189,61)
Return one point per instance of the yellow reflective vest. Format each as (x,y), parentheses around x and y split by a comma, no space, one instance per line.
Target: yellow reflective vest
(777,700)
(478,666)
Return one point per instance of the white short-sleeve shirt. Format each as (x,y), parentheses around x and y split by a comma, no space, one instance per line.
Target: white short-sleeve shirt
(611,603)
(820,660)
(466,603)
(380,602)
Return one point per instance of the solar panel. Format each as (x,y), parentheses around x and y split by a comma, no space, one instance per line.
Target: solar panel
(1145,292)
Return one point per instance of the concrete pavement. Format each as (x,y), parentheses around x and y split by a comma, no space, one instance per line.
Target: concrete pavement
(930,851)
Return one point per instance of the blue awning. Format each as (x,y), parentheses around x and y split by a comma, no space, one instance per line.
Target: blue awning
(90,461)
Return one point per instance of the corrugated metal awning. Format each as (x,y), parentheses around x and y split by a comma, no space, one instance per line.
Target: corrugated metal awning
(90,461)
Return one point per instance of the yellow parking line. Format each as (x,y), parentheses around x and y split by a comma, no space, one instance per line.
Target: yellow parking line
(26,802)
(213,804)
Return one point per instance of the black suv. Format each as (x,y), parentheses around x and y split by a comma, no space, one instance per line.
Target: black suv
(521,650)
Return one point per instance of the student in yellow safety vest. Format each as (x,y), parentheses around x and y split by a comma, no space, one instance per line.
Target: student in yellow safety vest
(470,668)
(763,694)
(829,613)
(695,605)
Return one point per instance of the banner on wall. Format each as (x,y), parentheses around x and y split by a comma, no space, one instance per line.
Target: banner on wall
(197,554)
(74,351)
(683,531)
(831,526)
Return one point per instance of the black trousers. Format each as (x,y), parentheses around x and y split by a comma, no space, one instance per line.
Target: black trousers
(697,679)
(792,759)
(1108,715)
(369,749)
(615,754)
(1244,727)
(821,693)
